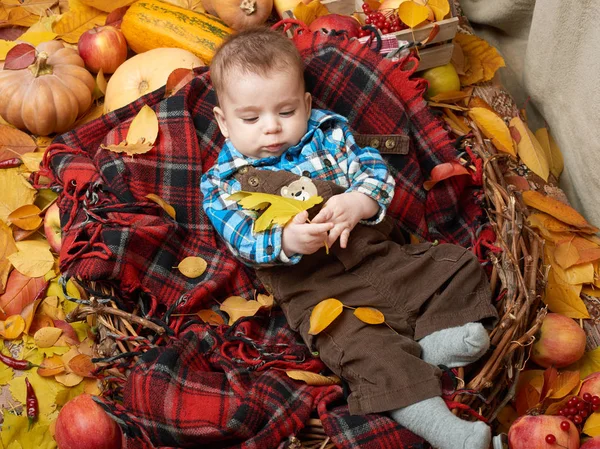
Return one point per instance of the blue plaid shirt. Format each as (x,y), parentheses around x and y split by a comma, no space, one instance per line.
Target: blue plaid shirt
(327,151)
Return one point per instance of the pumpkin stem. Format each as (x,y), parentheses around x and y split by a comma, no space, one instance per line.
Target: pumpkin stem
(248,6)
(39,67)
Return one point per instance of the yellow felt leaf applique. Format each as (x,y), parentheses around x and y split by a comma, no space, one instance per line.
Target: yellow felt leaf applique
(412,14)
(494,128)
(279,210)
(141,135)
(313,379)
(308,13)
(324,314)
(482,58)
(529,149)
(369,315)
(192,266)
(237,307)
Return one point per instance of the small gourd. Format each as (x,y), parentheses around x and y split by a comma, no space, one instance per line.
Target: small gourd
(243,14)
(48,96)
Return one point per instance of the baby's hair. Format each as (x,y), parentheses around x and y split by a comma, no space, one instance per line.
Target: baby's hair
(257,50)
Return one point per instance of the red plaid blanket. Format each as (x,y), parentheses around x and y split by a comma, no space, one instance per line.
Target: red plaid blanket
(211,386)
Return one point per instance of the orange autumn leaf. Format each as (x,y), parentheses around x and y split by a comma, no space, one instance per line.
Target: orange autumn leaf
(210,317)
(557,209)
(26,217)
(313,379)
(51,366)
(566,254)
(369,315)
(20,291)
(324,314)
(7,247)
(494,128)
(237,307)
(480,54)
(444,171)
(565,383)
(308,13)
(412,14)
(14,326)
(170,210)
(453,95)
(82,365)
(440,8)
(564,298)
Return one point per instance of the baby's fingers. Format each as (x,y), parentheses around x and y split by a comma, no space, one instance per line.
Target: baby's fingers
(300,217)
(323,216)
(316,229)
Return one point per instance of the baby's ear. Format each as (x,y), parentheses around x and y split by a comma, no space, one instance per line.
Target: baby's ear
(308,102)
(221,121)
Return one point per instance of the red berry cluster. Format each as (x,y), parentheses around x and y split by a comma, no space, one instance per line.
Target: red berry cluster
(386,23)
(578,409)
(564,425)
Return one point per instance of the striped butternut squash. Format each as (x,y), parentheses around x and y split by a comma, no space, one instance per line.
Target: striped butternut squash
(150,24)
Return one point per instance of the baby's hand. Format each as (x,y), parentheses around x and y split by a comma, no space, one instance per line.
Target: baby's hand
(300,237)
(345,211)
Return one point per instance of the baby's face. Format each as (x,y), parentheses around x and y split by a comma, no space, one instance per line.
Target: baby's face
(263,116)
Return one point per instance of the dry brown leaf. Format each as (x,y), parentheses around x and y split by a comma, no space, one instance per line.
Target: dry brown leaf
(494,128)
(47,336)
(68,379)
(192,266)
(33,258)
(82,365)
(454,95)
(14,326)
(458,60)
(369,315)
(564,298)
(7,247)
(323,314)
(557,209)
(547,142)
(74,23)
(477,49)
(210,317)
(529,149)
(51,366)
(170,210)
(313,379)
(26,217)
(16,192)
(308,13)
(14,142)
(237,307)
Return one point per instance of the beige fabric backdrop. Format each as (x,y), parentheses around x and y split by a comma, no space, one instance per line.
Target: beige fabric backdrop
(552,50)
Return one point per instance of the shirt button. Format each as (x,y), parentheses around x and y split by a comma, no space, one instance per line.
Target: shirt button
(374,143)
(306,173)
(244,169)
(289,157)
(384,194)
(253,181)
(327,163)
(390,143)
(269,250)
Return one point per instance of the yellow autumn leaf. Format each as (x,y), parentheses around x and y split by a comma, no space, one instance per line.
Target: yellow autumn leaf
(16,192)
(440,8)
(32,259)
(108,5)
(74,23)
(453,95)
(14,326)
(308,13)
(323,314)
(101,83)
(369,315)
(170,210)
(267,301)
(47,336)
(5,46)
(237,307)
(7,247)
(591,291)
(144,127)
(529,149)
(38,7)
(557,209)
(578,274)
(313,379)
(592,425)
(494,128)
(210,317)
(589,363)
(68,379)
(45,389)
(26,217)
(564,298)
(34,38)
(32,161)
(556,159)
(412,14)
(279,210)
(19,16)
(565,383)
(192,266)
(478,53)
(566,254)
(6,374)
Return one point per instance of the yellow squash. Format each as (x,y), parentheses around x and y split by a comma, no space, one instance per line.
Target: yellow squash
(150,24)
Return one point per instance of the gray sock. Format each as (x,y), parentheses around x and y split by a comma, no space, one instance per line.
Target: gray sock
(455,346)
(432,420)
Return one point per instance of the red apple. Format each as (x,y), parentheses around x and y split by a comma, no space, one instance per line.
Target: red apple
(82,423)
(594,443)
(52,227)
(103,48)
(560,342)
(336,22)
(591,385)
(530,432)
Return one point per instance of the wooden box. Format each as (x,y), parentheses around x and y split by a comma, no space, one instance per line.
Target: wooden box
(435,53)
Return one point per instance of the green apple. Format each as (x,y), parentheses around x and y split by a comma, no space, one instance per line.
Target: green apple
(441,79)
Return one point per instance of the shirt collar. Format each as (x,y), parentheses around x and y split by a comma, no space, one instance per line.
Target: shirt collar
(231,160)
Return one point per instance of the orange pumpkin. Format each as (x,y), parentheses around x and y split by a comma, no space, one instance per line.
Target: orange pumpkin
(243,14)
(49,95)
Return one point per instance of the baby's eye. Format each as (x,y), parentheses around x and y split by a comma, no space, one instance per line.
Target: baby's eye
(287,113)
(249,119)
